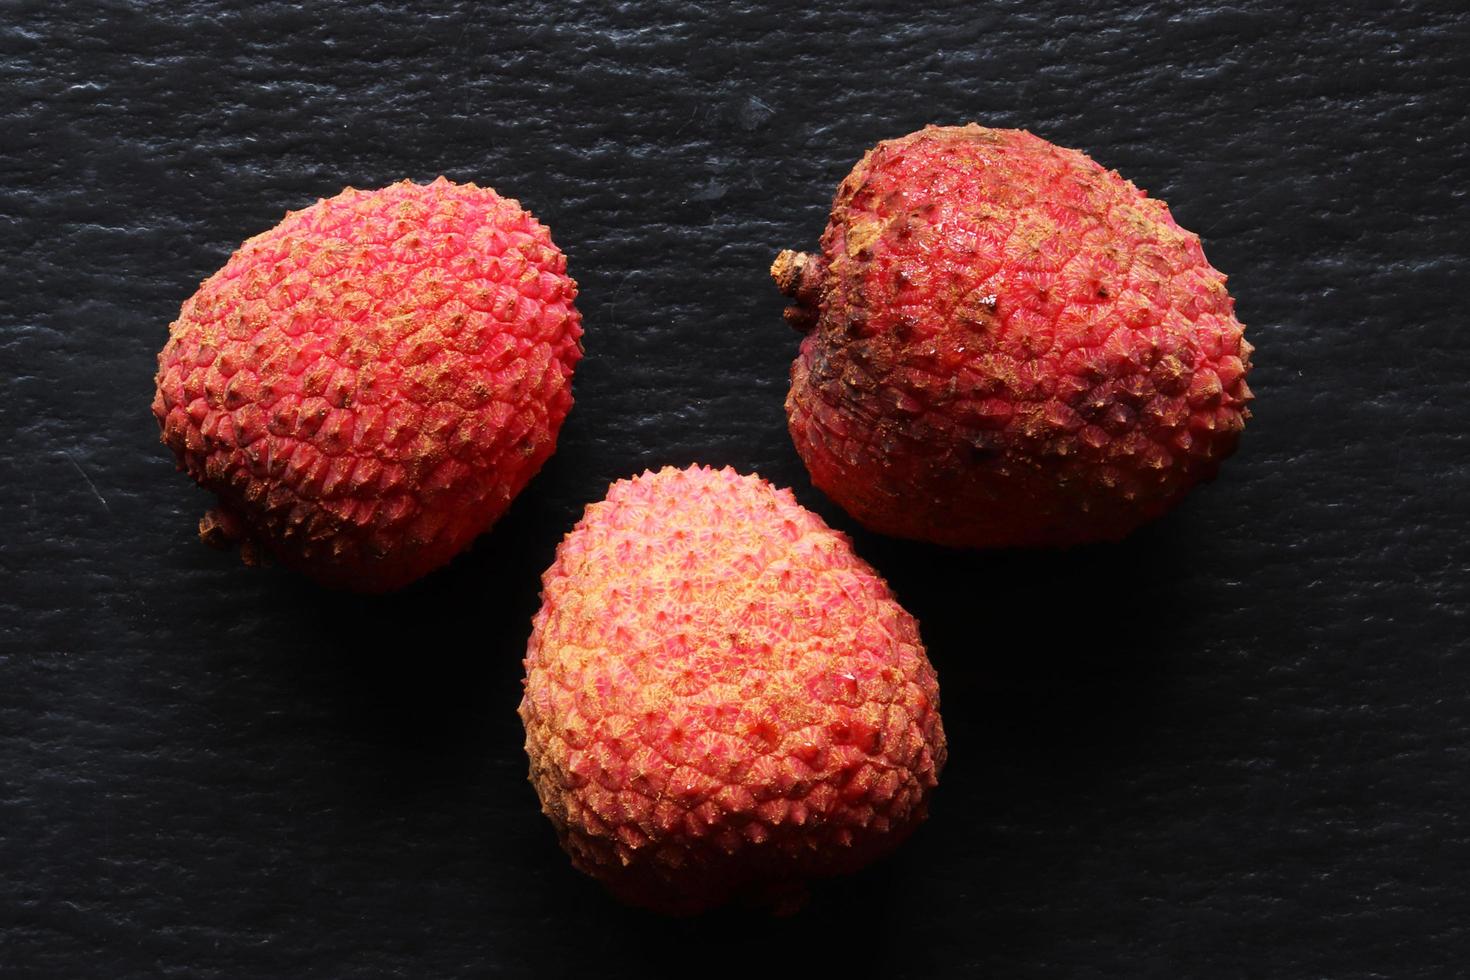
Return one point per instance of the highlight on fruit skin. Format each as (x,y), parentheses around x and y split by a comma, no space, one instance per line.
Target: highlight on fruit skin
(367,386)
(1007,345)
(722,700)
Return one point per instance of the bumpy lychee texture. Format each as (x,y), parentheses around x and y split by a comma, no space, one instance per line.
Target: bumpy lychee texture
(1008,346)
(369,384)
(721,699)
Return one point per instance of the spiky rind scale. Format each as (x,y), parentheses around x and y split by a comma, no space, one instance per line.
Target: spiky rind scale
(721,698)
(1009,346)
(369,384)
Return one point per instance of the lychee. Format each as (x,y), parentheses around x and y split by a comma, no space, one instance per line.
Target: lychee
(1008,346)
(721,699)
(368,385)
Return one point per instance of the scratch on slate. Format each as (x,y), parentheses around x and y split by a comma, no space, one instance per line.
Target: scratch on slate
(95,492)
(612,306)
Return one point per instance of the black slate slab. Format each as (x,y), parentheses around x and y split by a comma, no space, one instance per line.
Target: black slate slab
(1236,745)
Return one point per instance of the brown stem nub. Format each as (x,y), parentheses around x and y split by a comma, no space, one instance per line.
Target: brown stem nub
(220,529)
(799,276)
(786,270)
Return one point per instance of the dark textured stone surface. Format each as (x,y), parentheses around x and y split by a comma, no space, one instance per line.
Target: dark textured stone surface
(1237,744)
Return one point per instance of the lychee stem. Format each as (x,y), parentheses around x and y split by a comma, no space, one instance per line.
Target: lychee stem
(799,276)
(787,269)
(220,529)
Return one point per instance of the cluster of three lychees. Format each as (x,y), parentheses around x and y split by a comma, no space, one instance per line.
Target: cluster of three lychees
(1005,346)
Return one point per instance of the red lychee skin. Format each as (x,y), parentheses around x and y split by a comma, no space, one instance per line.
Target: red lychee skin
(368,385)
(1009,346)
(721,699)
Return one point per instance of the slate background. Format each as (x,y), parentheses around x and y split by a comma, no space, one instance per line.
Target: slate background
(1235,745)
